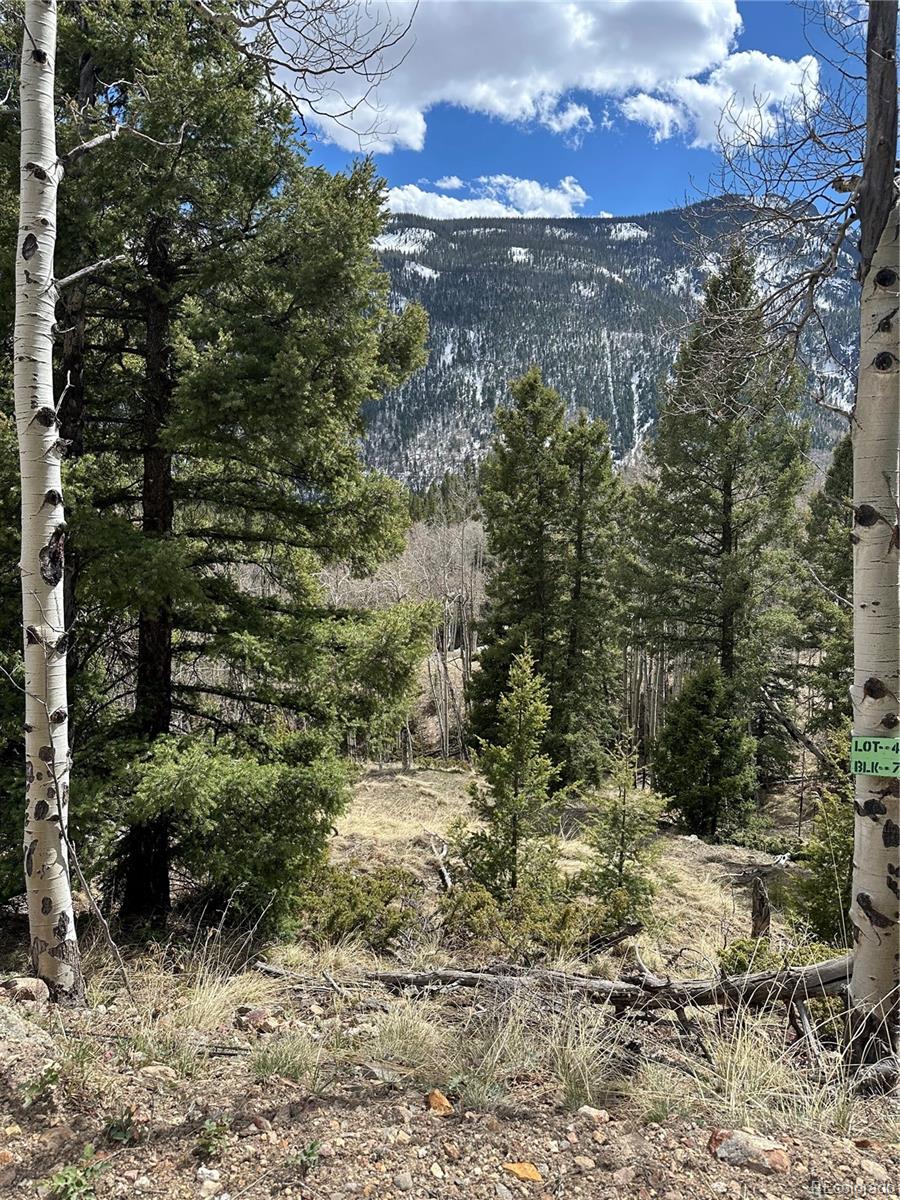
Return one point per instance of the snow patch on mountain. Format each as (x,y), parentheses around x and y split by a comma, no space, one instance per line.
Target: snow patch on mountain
(410,240)
(627,231)
(420,269)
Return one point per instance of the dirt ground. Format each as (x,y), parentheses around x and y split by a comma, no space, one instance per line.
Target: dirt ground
(216,1079)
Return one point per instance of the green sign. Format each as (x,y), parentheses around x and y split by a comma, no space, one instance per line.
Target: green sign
(875,756)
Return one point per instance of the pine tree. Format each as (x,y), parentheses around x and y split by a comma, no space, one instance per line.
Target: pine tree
(704,758)
(214,420)
(514,802)
(717,519)
(548,497)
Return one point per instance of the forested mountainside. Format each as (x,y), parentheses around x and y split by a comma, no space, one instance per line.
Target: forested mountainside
(597,303)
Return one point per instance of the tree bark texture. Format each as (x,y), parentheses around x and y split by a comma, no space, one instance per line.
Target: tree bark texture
(146,848)
(876,641)
(51,918)
(875,902)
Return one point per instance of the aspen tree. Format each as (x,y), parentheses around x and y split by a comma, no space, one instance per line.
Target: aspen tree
(51,918)
(876,677)
(875,904)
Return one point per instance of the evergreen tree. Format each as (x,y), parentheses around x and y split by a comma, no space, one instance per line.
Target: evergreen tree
(704,758)
(523,492)
(622,832)
(514,802)
(826,595)
(214,413)
(548,498)
(590,611)
(716,520)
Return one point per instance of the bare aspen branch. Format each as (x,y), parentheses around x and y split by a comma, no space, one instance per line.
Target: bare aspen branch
(93,269)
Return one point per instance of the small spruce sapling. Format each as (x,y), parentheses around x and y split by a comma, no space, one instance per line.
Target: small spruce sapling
(622,835)
(514,803)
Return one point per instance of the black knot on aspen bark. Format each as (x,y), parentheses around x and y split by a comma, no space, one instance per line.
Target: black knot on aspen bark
(890,720)
(876,918)
(29,246)
(866,515)
(873,808)
(883,361)
(46,906)
(37,171)
(61,928)
(45,754)
(29,857)
(46,416)
(874,688)
(39,56)
(886,277)
(32,637)
(53,557)
(41,810)
(59,715)
(890,833)
(52,498)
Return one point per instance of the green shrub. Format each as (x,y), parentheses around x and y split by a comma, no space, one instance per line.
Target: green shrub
(530,921)
(375,905)
(745,955)
(249,831)
(820,895)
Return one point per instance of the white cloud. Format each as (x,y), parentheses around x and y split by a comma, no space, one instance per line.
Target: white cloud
(532,199)
(743,97)
(497,196)
(520,61)
(450,183)
(663,117)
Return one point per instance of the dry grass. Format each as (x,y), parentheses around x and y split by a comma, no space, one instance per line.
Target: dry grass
(412,1034)
(394,813)
(297,1057)
(757,1080)
(349,956)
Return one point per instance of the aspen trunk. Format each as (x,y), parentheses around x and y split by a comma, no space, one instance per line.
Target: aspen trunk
(54,949)
(876,645)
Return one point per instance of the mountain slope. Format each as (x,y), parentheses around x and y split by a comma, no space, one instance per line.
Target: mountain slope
(597,303)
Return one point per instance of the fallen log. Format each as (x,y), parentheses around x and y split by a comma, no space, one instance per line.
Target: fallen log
(647,990)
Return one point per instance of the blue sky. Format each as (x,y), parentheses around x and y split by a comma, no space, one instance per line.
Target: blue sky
(568,107)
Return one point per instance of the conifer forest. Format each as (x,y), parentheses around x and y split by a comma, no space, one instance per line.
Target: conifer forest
(449,632)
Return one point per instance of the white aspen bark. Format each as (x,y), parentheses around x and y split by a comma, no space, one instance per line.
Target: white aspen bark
(875,907)
(54,949)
